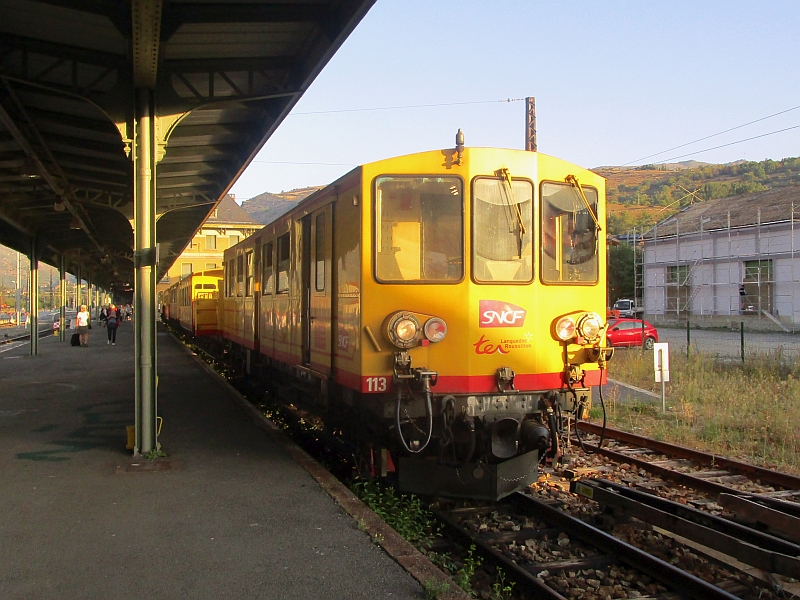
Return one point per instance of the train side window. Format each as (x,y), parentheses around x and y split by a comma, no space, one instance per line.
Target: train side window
(239,274)
(419,229)
(283,263)
(248,281)
(569,234)
(502,230)
(266,264)
(319,253)
(231,278)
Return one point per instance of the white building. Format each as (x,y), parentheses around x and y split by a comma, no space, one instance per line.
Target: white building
(727,260)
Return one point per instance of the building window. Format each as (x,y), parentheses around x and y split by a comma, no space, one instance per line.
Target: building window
(234,239)
(186,269)
(678,289)
(215,213)
(211,242)
(757,286)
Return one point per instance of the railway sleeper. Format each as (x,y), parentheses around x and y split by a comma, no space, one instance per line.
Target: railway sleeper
(604,549)
(752,547)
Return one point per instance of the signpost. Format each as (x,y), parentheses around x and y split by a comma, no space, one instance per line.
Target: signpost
(661,367)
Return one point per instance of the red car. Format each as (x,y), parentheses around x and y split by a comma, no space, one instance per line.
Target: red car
(628,332)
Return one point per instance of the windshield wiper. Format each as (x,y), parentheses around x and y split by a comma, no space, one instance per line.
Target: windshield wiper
(572,180)
(505,176)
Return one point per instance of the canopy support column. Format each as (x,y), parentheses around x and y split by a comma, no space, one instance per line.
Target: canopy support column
(33,315)
(145,272)
(62,299)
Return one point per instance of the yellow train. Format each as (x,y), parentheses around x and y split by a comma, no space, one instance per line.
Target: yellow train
(192,302)
(445,305)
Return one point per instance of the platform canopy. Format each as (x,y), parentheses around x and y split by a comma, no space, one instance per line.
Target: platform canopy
(223,75)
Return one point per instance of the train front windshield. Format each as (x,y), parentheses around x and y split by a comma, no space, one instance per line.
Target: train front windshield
(419,229)
(569,234)
(502,230)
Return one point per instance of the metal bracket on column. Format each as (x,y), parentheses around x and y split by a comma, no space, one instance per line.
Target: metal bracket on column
(147,257)
(165,124)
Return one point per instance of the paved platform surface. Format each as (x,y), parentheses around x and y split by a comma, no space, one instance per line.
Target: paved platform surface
(233,517)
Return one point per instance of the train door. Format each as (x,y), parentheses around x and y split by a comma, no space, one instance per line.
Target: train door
(305,287)
(321,290)
(257,271)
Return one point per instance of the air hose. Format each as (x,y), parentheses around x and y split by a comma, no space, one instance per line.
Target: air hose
(428,414)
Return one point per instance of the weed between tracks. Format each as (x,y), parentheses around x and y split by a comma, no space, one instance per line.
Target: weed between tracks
(747,411)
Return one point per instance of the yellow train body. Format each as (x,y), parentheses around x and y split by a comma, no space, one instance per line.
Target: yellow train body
(192,302)
(464,283)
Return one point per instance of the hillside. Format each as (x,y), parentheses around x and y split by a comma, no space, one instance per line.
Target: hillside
(640,196)
(267,207)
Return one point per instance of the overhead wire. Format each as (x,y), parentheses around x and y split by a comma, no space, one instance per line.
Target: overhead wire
(375,108)
(403,107)
(755,137)
(711,136)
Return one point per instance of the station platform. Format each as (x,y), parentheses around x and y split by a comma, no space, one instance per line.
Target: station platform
(229,514)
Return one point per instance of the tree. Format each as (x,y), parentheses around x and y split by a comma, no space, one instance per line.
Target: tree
(621,280)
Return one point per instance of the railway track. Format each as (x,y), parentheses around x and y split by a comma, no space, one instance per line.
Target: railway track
(552,554)
(609,539)
(19,338)
(692,468)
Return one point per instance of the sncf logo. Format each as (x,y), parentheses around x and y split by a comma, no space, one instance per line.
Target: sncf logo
(501,314)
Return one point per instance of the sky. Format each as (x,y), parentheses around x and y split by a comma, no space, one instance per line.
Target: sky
(615,83)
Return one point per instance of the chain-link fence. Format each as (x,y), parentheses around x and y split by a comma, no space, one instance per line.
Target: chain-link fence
(731,344)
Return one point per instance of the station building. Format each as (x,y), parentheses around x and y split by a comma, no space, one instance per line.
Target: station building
(226,226)
(727,261)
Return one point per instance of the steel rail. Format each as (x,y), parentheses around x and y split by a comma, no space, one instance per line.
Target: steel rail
(670,575)
(615,550)
(43,332)
(746,544)
(702,458)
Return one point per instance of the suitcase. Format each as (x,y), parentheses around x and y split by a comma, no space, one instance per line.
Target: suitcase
(76,340)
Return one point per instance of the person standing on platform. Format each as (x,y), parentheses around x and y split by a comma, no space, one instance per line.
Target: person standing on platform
(82,320)
(112,321)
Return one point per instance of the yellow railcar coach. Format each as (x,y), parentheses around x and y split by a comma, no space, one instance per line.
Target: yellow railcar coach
(445,305)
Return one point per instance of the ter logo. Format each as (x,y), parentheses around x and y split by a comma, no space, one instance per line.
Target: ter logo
(494,313)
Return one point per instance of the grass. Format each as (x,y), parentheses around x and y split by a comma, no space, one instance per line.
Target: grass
(747,411)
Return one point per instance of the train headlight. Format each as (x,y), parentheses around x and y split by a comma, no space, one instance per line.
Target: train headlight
(435,329)
(590,327)
(403,330)
(565,328)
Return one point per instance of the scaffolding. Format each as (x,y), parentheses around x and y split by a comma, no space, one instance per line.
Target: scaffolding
(732,265)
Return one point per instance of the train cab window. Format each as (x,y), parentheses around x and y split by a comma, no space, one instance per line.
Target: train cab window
(419,229)
(231,278)
(569,234)
(502,229)
(248,281)
(239,274)
(283,263)
(267,269)
(209,286)
(319,253)
(198,286)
